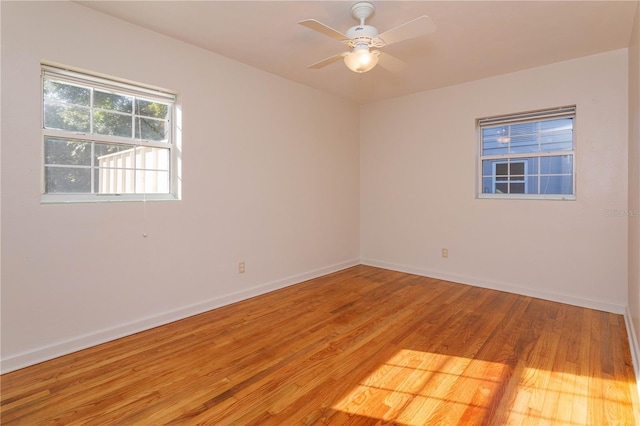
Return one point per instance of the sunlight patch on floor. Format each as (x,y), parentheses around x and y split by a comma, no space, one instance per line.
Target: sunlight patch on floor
(410,386)
(565,398)
(417,388)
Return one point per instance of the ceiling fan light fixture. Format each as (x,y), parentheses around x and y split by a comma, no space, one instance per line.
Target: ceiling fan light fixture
(361,59)
(504,136)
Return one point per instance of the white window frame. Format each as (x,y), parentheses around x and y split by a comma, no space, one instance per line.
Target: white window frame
(530,116)
(70,76)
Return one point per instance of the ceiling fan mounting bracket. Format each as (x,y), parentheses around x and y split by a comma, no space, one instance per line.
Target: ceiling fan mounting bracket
(363,10)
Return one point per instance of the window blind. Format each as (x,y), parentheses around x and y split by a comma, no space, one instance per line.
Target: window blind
(106,84)
(561,112)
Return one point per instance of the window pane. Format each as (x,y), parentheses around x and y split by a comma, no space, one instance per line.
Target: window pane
(114,156)
(71,118)
(153,130)
(494,140)
(113,102)
(556,185)
(66,93)
(502,188)
(524,143)
(561,141)
(115,181)
(493,147)
(531,165)
(149,158)
(494,132)
(113,124)
(556,125)
(487,185)
(532,184)
(115,174)
(524,129)
(67,152)
(152,182)
(516,188)
(487,167)
(152,109)
(517,168)
(502,169)
(67,180)
(561,164)
(556,135)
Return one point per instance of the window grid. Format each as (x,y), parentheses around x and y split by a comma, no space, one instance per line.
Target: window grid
(546,145)
(148,142)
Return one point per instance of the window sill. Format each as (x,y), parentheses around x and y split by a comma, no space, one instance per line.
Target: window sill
(111,198)
(557,197)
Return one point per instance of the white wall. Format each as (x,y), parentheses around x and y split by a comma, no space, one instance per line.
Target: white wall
(634,192)
(418,177)
(270,176)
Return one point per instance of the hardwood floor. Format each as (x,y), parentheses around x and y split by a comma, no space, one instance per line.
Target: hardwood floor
(362,346)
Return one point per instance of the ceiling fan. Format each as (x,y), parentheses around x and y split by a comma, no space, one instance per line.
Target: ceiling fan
(362,38)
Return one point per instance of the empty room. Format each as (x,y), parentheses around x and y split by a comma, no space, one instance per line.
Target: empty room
(320,212)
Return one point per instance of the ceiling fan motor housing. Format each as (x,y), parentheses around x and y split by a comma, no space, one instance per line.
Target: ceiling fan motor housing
(362,31)
(364,34)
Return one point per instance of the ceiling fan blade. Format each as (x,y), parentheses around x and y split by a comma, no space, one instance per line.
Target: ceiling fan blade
(324,29)
(420,26)
(327,61)
(391,63)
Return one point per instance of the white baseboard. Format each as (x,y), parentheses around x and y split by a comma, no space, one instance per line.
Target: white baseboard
(38,355)
(494,285)
(634,347)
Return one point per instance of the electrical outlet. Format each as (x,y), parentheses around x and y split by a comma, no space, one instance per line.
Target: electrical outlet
(445,253)
(241,268)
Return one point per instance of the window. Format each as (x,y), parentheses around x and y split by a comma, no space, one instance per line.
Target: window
(105,140)
(528,155)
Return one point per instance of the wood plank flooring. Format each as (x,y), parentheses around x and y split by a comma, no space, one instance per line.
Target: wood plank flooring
(363,346)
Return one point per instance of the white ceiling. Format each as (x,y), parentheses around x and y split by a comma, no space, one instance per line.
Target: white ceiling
(473,40)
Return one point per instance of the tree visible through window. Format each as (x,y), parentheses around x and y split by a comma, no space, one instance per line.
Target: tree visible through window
(103,137)
(528,155)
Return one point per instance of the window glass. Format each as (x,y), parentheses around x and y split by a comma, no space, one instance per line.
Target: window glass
(528,153)
(104,137)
